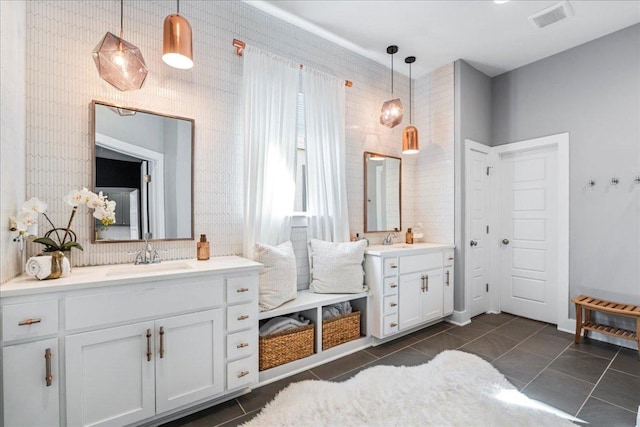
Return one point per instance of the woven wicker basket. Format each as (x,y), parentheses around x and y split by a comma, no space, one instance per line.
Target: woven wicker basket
(286,347)
(340,329)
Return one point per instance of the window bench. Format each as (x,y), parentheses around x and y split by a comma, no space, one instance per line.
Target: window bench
(590,304)
(310,304)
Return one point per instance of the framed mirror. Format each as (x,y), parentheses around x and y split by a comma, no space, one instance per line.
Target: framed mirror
(144,161)
(382,189)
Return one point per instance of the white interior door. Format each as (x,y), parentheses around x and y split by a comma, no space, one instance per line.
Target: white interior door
(528,226)
(477,251)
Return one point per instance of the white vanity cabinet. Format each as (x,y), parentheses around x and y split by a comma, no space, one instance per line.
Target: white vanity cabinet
(135,348)
(411,285)
(30,364)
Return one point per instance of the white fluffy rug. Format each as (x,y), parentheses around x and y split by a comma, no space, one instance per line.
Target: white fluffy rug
(454,389)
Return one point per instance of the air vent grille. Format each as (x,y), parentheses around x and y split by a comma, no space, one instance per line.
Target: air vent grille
(552,14)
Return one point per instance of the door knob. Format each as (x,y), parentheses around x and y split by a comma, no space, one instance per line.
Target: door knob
(473,243)
(505,241)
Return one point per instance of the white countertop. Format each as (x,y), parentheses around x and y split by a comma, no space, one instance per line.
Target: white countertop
(109,275)
(403,248)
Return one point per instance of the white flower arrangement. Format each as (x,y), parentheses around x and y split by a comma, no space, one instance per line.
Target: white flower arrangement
(26,220)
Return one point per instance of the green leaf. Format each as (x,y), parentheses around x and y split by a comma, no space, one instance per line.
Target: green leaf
(68,245)
(49,244)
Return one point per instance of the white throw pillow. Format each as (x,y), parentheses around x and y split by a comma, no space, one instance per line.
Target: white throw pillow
(279,276)
(336,268)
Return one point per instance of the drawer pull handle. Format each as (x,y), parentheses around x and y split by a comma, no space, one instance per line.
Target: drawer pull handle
(28,322)
(393,286)
(243,345)
(243,317)
(148,345)
(242,290)
(447,281)
(48,377)
(243,374)
(161,342)
(393,266)
(426,285)
(393,325)
(393,304)
(450,258)
(422,286)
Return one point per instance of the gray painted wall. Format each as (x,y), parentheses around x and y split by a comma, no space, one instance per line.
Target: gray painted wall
(472,121)
(593,92)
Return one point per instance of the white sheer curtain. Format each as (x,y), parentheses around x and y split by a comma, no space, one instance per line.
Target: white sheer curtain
(324,108)
(270,86)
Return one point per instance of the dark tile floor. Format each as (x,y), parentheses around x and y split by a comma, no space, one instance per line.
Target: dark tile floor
(597,382)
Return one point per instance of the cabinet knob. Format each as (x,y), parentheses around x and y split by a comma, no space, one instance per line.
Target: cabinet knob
(393,286)
(243,317)
(393,325)
(393,304)
(243,374)
(242,345)
(393,266)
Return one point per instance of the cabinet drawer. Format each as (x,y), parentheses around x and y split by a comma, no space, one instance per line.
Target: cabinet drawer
(143,302)
(242,373)
(448,257)
(421,262)
(391,266)
(390,304)
(243,316)
(390,285)
(242,344)
(390,324)
(241,289)
(29,320)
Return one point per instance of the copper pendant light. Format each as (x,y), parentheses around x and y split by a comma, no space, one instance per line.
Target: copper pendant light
(392,110)
(410,134)
(177,48)
(119,62)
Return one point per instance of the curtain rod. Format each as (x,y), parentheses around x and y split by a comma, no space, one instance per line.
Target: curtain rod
(240,45)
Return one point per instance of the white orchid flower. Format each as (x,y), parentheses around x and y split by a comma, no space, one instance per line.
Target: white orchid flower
(34,204)
(74,198)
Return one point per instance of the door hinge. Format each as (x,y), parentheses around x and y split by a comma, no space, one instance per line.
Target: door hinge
(488,169)
(146,178)
(487,287)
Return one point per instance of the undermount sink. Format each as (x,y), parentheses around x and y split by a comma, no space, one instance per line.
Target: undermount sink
(147,268)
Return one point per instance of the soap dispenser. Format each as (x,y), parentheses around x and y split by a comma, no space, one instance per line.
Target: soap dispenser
(409,237)
(203,248)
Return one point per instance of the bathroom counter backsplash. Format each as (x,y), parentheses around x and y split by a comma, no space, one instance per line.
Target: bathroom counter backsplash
(121,274)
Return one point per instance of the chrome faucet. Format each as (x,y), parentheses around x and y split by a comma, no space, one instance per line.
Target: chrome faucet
(146,256)
(389,239)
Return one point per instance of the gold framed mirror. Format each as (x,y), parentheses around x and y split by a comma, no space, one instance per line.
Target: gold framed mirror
(382,192)
(144,161)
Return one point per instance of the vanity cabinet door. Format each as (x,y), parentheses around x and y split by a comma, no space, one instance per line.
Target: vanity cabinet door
(110,376)
(432,296)
(410,297)
(189,358)
(28,398)
(448,291)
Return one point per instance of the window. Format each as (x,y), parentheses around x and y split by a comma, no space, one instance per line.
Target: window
(300,203)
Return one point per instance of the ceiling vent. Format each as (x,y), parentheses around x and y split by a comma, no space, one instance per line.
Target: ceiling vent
(552,14)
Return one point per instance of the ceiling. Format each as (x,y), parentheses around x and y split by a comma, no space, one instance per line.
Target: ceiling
(494,38)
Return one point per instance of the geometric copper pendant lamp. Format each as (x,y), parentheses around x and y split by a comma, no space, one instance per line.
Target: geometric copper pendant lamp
(410,133)
(392,111)
(177,47)
(119,62)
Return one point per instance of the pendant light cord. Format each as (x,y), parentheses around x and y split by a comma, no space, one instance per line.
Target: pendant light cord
(178,2)
(121,18)
(392,75)
(410,109)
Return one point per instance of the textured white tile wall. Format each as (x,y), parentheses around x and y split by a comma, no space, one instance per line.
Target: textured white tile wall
(12,129)
(62,80)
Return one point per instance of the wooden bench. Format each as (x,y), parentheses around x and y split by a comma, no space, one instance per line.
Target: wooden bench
(590,304)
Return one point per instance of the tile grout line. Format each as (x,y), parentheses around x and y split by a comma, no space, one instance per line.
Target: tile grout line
(240,405)
(547,367)
(613,404)
(597,382)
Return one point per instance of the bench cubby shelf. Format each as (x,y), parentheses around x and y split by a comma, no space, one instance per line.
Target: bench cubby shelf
(310,305)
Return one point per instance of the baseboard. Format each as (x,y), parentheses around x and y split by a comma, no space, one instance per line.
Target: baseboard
(458,318)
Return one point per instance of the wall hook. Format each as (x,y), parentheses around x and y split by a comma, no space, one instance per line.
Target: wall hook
(591,183)
(615,181)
